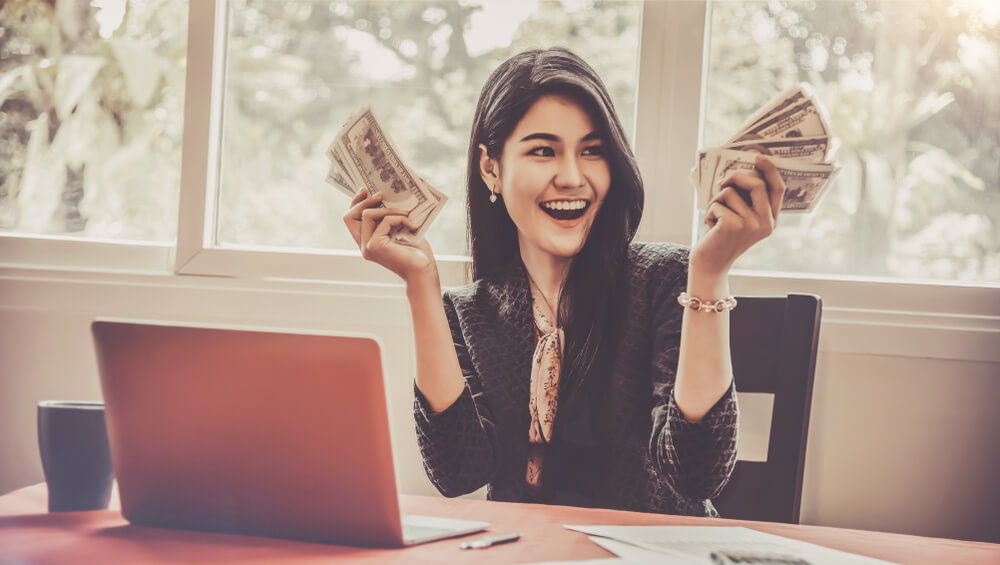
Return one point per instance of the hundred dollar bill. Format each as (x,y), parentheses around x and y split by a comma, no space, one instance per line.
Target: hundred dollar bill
(339,164)
(793,129)
(422,220)
(805,188)
(801,120)
(705,167)
(790,97)
(335,177)
(362,156)
(425,219)
(813,149)
(376,165)
(805,183)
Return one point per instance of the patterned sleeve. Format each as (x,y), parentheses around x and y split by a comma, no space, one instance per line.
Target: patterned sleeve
(457,444)
(696,459)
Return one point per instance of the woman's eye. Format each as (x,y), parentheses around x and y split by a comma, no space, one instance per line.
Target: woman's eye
(594,150)
(542,151)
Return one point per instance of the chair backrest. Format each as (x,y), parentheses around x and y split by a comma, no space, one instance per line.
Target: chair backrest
(773,343)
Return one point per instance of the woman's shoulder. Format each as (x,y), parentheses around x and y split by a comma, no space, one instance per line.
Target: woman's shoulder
(465,297)
(663,257)
(658,270)
(490,293)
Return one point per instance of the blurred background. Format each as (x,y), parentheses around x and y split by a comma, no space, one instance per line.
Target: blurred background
(903,423)
(91,115)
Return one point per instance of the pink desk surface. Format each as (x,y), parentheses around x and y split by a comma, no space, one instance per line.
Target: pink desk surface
(29,534)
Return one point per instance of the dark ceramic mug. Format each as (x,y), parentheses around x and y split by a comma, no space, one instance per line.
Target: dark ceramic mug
(73,441)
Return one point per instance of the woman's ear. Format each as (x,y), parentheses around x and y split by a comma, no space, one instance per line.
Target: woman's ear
(489,169)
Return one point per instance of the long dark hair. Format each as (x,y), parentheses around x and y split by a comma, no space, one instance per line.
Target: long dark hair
(592,298)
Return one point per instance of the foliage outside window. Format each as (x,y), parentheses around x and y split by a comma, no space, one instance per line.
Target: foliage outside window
(91,113)
(297,69)
(912,89)
(91,109)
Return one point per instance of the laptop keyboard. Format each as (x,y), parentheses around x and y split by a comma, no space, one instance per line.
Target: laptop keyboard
(414,532)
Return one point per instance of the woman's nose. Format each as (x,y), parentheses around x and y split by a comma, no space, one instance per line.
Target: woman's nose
(569,174)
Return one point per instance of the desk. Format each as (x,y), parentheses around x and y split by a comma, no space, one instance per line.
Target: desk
(29,534)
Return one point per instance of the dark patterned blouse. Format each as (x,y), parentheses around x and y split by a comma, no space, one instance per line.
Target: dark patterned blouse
(625,445)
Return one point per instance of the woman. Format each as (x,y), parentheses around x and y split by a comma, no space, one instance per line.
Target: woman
(568,372)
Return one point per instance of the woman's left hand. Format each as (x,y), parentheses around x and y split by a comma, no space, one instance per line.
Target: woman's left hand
(734,225)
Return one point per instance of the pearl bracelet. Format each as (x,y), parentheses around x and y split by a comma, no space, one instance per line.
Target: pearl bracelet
(699,305)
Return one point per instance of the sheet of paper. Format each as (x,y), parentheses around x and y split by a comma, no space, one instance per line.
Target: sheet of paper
(605,561)
(698,542)
(633,554)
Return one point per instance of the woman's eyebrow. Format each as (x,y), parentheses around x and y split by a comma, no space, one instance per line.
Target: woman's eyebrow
(555,139)
(544,136)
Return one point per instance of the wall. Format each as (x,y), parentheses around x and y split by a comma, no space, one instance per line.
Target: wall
(903,430)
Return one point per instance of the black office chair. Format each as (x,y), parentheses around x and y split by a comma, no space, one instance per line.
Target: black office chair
(773,341)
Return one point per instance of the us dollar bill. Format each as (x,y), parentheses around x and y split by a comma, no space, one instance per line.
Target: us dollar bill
(811,149)
(363,156)
(814,149)
(338,168)
(375,163)
(801,120)
(793,130)
(335,176)
(805,183)
(790,97)
(425,218)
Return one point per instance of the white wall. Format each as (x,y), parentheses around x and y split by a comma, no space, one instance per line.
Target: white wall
(903,431)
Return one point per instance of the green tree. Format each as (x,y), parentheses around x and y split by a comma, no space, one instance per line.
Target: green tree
(917,116)
(92,123)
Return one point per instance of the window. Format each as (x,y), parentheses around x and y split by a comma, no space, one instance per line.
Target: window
(267,84)
(911,88)
(296,70)
(91,115)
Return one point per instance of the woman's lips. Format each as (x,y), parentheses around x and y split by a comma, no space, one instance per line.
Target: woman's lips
(567,222)
(562,210)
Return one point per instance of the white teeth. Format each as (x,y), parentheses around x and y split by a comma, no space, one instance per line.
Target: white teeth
(565,205)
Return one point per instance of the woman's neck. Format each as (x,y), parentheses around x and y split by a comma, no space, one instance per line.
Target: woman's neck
(547,271)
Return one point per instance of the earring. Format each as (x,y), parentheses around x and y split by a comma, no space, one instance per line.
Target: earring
(493,194)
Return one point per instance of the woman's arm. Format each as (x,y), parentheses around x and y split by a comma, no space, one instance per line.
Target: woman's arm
(439,376)
(693,444)
(454,430)
(458,443)
(705,367)
(695,458)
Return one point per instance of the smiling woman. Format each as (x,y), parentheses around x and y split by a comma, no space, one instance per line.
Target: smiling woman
(568,373)
(934,341)
(544,138)
(553,176)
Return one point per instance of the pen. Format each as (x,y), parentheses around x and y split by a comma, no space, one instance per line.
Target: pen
(490,541)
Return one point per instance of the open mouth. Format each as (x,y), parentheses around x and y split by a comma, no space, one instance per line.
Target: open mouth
(565,209)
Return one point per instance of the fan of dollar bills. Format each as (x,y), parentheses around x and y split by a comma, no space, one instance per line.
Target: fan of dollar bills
(794,131)
(363,156)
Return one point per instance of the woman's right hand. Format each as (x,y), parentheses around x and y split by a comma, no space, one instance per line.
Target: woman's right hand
(370,226)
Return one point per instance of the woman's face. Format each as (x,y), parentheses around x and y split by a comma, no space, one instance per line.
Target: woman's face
(553,177)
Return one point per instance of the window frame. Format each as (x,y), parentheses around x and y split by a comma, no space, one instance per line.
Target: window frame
(198,210)
(670,90)
(52,252)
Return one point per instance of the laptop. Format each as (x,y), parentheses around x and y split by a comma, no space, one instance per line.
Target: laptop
(256,432)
